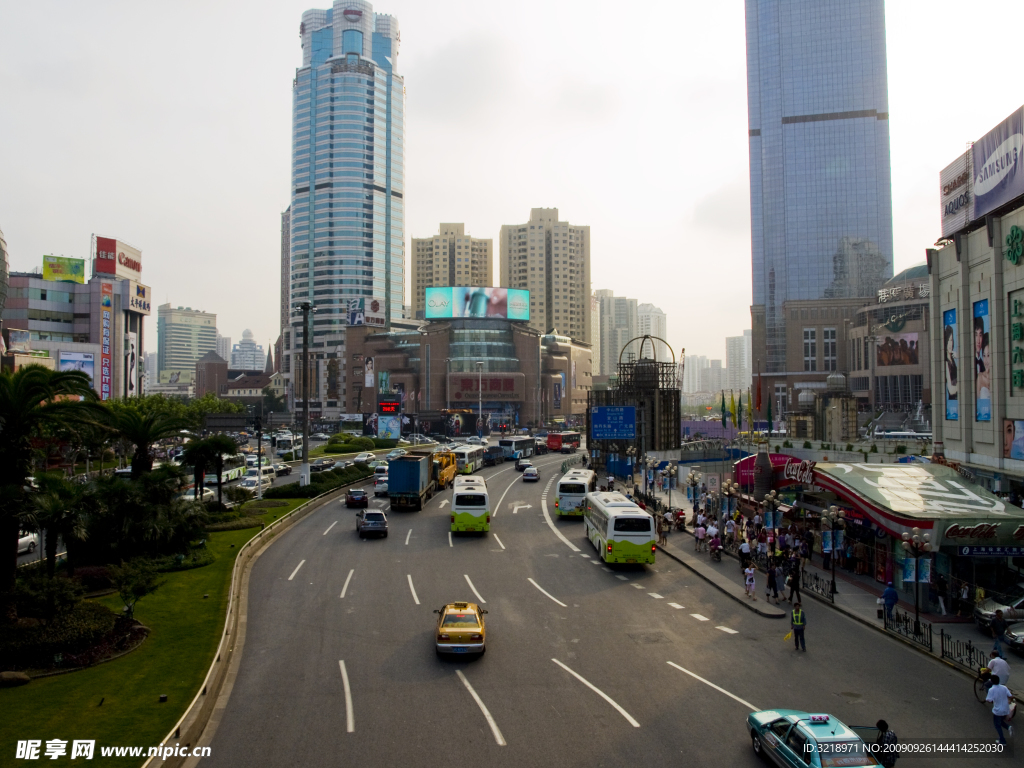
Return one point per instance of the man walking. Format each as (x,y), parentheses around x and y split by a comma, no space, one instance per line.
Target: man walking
(886,742)
(999,666)
(794,586)
(999,696)
(890,597)
(798,622)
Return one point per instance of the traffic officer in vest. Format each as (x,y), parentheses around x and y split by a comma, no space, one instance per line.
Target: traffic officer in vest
(798,621)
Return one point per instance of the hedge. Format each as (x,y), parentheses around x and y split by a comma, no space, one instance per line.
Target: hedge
(235,525)
(320,483)
(36,646)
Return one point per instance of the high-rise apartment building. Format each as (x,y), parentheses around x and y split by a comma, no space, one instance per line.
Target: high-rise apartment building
(695,365)
(550,259)
(737,361)
(286,269)
(651,321)
(450,257)
(183,335)
(347,239)
(595,332)
(223,347)
(247,355)
(619,325)
(712,378)
(820,192)
(4,272)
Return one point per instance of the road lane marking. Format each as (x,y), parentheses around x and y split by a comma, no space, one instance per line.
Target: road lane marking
(621,577)
(450,539)
(347,580)
(638,586)
(698,617)
(600,693)
(585,555)
(677,606)
(727,630)
(443,503)
(498,505)
(473,588)
(412,589)
(517,507)
(295,571)
(407,537)
(330,526)
(545,592)
(499,541)
(720,690)
(483,708)
(655,595)
(547,518)
(350,716)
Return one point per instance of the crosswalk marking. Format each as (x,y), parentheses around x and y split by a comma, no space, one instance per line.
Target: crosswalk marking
(655,595)
(621,577)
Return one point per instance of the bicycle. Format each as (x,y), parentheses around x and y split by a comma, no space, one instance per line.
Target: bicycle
(981,685)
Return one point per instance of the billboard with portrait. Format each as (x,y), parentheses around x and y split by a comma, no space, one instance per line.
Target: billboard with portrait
(62,269)
(982,352)
(951,364)
(369,379)
(475,301)
(78,361)
(896,349)
(1013,439)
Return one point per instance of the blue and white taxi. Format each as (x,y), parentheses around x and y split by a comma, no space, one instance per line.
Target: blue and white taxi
(794,739)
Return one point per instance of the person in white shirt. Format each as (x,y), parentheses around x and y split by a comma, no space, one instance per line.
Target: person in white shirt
(998,666)
(712,531)
(744,553)
(1000,697)
(730,528)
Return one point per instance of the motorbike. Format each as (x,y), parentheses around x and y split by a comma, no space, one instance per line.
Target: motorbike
(680,520)
(716,554)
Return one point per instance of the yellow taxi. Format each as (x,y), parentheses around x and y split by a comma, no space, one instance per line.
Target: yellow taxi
(460,629)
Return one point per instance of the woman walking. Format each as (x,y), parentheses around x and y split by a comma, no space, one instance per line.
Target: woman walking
(748,578)
(771,586)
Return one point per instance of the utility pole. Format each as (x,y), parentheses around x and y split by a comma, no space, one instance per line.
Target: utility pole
(304,474)
(259,457)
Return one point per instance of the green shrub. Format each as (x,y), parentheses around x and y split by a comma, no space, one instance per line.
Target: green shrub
(364,443)
(320,483)
(786,444)
(778,448)
(807,443)
(236,525)
(901,449)
(237,494)
(849,446)
(380,443)
(874,448)
(39,645)
(290,456)
(93,578)
(265,504)
(40,597)
(197,559)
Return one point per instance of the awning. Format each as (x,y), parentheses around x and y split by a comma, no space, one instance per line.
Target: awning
(934,498)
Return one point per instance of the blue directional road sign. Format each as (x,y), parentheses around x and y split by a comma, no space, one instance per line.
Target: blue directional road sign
(613,422)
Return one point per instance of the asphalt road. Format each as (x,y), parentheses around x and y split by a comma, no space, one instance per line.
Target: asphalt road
(320,596)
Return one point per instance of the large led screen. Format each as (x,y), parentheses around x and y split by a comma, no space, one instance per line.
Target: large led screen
(470,301)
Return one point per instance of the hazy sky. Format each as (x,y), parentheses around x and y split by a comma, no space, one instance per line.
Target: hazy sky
(168,126)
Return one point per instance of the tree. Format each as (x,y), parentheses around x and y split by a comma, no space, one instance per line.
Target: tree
(134,580)
(59,509)
(32,400)
(221,446)
(273,403)
(142,429)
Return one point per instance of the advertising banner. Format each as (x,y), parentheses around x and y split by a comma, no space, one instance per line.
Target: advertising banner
(114,257)
(384,380)
(365,312)
(997,172)
(369,380)
(1013,439)
(369,424)
(138,298)
(950,364)
(78,361)
(18,340)
(65,270)
(389,427)
(826,542)
(475,301)
(132,365)
(896,349)
(557,396)
(106,352)
(496,386)
(956,203)
(982,362)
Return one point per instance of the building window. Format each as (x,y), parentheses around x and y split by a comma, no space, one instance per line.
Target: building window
(829,339)
(810,349)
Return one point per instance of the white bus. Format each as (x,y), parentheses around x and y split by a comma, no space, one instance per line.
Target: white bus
(510,445)
(470,481)
(468,459)
(289,443)
(619,529)
(471,506)
(571,492)
(234,468)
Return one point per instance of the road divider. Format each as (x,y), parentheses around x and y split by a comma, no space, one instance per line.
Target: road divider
(548,594)
(599,692)
(483,708)
(717,688)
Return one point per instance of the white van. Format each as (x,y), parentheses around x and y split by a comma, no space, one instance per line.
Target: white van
(267,472)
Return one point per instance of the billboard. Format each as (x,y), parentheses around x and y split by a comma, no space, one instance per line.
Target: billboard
(955,201)
(950,364)
(389,427)
(896,349)
(138,299)
(368,377)
(78,361)
(1013,439)
(114,257)
(18,341)
(60,269)
(106,352)
(475,301)
(132,365)
(998,176)
(982,363)
(365,312)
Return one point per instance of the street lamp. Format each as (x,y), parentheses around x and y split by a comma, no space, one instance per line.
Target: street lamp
(649,466)
(670,474)
(447,393)
(731,490)
(480,394)
(693,480)
(834,516)
(916,545)
(630,459)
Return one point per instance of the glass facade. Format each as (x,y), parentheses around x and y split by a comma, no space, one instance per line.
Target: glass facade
(348,182)
(820,193)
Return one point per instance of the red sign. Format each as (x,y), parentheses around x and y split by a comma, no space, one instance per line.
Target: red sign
(390,406)
(979,531)
(106,331)
(744,474)
(802,472)
(106,255)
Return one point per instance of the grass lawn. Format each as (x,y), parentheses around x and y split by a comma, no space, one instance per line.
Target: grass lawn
(185,630)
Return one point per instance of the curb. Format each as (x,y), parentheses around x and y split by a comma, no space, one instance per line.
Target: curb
(751,606)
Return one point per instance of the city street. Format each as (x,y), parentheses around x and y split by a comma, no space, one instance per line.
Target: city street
(583,661)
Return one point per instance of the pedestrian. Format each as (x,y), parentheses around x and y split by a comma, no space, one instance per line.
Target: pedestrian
(999,632)
(611,482)
(757,521)
(794,586)
(798,622)
(748,580)
(999,696)
(662,530)
(668,521)
(999,666)
(771,586)
(712,530)
(860,555)
(730,529)
(780,579)
(699,535)
(890,597)
(762,542)
(941,591)
(744,553)
(886,742)
(964,608)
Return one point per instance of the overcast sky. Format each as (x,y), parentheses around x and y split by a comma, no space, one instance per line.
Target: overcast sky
(168,126)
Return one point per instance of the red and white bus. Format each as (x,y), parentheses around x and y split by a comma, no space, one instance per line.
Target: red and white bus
(566,442)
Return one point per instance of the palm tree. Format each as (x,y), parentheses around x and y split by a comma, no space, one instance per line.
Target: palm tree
(221,446)
(32,401)
(199,456)
(142,430)
(59,510)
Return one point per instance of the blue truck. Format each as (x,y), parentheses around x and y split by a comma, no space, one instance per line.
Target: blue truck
(410,481)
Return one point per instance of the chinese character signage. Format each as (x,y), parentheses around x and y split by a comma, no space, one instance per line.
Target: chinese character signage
(106,331)
(118,259)
(469,387)
(138,298)
(613,422)
(63,270)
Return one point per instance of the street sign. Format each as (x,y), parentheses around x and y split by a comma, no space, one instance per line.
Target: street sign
(993,551)
(613,422)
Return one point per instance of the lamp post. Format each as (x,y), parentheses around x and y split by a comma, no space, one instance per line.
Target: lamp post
(670,474)
(447,393)
(834,516)
(649,466)
(304,475)
(631,458)
(693,480)
(480,398)
(916,545)
(731,490)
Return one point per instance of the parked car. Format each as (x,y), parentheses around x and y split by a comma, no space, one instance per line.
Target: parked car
(27,542)
(531,474)
(1011,604)
(206,495)
(395,453)
(356,497)
(371,521)
(282,469)
(321,464)
(380,485)
(364,457)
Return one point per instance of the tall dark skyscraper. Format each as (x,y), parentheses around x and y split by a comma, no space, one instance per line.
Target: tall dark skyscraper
(820,192)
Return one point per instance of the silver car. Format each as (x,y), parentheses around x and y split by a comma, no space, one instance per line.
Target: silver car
(371,521)
(1011,604)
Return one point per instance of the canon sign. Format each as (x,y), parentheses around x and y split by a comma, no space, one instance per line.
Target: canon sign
(113,257)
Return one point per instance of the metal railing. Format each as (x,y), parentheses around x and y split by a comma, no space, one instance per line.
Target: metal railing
(819,585)
(963,653)
(902,624)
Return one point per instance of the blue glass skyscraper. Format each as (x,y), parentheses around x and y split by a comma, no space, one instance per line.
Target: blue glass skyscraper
(820,194)
(348,185)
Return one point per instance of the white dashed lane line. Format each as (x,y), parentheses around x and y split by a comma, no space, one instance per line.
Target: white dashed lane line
(548,594)
(407,537)
(676,605)
(330,526)
(655,595)
(350,717)
(499,541)
(727,630)
(412,589)
(347,580)
(621,577)
(296,570)
(478,596)
(698,617)
(495,731)
(599,692)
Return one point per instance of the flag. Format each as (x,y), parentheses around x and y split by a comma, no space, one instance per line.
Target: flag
(750,412)
(739,412)
(758,406)
(723,407)
(769,417)
(732,408)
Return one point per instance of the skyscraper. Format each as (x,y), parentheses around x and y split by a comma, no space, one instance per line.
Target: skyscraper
(737,361)
(651,321)
(449,258)
(347,238)
(247,355)
(551,259)
(183,336)
(820,195)
(286,269)
(223,347)
(619,325)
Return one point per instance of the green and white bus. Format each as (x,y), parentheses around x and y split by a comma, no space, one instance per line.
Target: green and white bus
(471,506)
(619,530)
(468,459)
(571,492)
(234,468)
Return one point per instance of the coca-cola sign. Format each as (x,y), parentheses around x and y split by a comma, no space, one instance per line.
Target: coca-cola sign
(979,531)
(800,472)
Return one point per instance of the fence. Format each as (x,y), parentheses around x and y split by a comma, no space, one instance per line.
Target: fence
(902,624)
(819,585)
(963,653)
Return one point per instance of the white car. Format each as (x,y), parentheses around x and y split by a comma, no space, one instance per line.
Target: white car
(27,542)
(395,453)
(320,436)
(364,457)
(206,495)
(380,486)
(250,483)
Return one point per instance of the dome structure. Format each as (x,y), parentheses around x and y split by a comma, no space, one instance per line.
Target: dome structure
(916,272)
